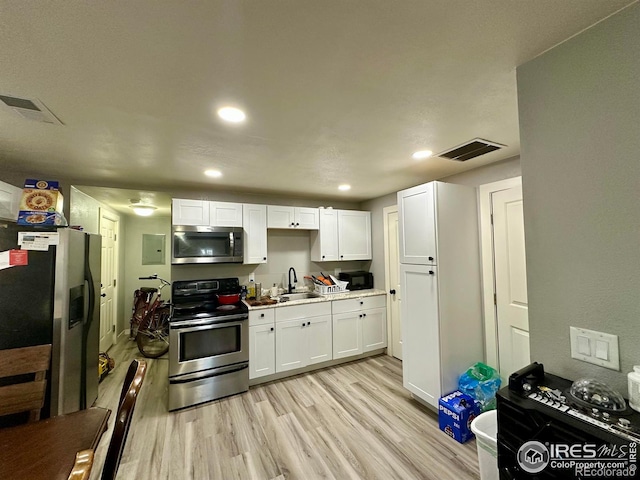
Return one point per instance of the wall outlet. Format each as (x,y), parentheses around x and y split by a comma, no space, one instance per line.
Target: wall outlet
(252,277)
(336,272)
(595,347)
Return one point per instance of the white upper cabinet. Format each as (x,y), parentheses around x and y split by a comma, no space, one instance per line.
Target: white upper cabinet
(205,213)
(416,207)
(255,233)
(190,212)
(343,235)
(225,214)
(9,201)
(302,218)
(324,243)
(354,235)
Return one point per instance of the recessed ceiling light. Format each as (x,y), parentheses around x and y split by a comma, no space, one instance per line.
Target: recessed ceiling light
(344,187)
(213,173)
(420,154)
(232,114)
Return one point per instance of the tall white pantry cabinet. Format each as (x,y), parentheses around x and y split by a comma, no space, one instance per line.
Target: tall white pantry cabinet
(440,282)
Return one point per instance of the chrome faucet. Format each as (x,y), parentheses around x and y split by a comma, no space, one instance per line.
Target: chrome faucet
(295,279)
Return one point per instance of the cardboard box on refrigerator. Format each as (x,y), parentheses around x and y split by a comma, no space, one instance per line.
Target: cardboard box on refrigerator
(41,203)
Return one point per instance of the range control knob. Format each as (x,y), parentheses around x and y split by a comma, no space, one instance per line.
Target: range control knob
(624,423)
(606,416)
(595,412)
(526,387)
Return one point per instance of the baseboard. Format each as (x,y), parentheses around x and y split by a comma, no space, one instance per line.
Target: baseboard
(311,368)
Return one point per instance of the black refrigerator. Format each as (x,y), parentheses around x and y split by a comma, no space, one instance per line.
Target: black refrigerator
(54,299)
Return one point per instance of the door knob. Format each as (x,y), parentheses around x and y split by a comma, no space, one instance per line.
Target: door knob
(103,294)
(392,292)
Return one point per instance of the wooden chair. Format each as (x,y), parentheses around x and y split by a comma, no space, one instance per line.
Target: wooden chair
(27,396)
(82,466)
(128,397)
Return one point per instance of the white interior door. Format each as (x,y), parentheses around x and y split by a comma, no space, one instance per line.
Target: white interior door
(108,230)
(392,260)
(510,281)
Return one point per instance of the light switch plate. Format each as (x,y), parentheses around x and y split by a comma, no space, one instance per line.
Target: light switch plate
(602,347)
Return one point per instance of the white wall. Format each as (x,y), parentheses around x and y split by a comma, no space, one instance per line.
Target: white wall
(85,211)
(490,173)
(579,108)
(134,228)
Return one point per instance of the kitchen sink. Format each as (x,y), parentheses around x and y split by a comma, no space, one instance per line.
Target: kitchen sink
(290,297)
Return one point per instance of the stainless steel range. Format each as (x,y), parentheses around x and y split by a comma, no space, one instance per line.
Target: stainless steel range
(208,343)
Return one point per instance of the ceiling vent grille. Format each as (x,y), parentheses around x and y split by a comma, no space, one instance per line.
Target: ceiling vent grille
(471,149)
(31,109)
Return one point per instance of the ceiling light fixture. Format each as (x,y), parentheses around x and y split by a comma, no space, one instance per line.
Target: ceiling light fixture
(232,114)
(142,209)
(213,173)
(420,154)
(344,187)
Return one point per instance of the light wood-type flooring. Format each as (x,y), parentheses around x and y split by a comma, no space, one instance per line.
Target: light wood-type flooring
(352,421)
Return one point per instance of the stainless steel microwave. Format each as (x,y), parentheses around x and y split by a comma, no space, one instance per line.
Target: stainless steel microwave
(206,245)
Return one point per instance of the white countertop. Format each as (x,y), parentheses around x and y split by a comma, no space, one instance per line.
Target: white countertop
(323,298)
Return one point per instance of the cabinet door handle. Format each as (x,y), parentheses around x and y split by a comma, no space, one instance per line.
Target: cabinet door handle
(271,329)
(297,224)
(322,256)
(431,258)
(364,314)
(292,225)
(431,272)
(360,315)
(361,303)
(392,292)
(341,256)
(308,323)
(264,258)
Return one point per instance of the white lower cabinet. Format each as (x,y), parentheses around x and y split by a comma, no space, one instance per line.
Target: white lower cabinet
(262,342)
(347,335)
(262,350)
(297,336)
(303,335)
(374,329)
(318,331)
(290,345)
(359,325)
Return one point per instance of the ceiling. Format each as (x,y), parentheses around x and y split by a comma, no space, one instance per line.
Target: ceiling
(335,91)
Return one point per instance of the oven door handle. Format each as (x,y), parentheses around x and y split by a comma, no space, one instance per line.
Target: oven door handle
(215,372)
(208,322)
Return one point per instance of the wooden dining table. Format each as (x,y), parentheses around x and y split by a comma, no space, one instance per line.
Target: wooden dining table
(47,449)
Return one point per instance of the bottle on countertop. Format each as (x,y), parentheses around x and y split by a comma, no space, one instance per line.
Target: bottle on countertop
(251,289)
(258,290)
(634,388)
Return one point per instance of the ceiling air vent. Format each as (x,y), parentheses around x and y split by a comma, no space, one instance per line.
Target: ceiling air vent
(471,149)
(31,109)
